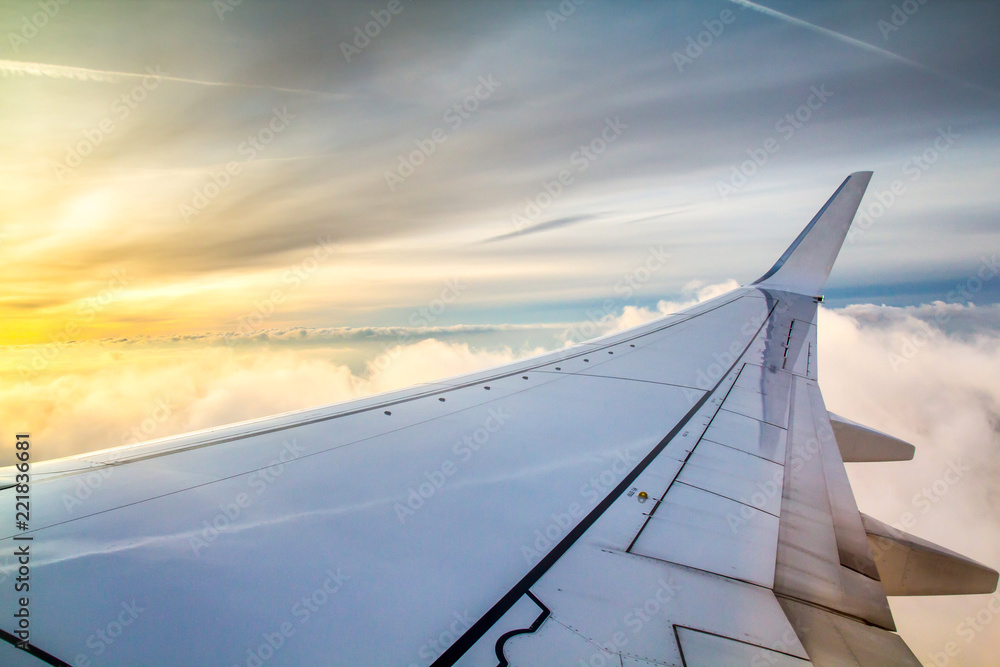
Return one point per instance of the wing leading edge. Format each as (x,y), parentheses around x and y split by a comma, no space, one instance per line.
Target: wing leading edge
(671,494)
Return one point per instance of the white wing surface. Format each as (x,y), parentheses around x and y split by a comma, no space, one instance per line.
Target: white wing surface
(673,494)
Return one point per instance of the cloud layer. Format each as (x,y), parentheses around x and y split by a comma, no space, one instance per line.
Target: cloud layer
(934,385)
(925,374)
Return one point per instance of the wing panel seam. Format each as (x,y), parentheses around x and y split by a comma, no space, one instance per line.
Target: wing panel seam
(485,622)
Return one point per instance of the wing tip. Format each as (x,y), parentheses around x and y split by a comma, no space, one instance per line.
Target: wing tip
(862,175)
(805,266)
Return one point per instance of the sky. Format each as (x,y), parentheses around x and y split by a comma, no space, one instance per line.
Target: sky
(215,211)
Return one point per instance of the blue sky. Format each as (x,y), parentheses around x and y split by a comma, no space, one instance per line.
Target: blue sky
(709,130)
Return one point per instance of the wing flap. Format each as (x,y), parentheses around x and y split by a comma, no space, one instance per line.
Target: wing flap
(833,639)
(810,566)
(704,649)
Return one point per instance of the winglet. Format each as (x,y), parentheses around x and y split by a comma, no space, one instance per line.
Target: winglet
(806,264)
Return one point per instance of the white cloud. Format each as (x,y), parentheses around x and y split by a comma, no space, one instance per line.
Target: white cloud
(696,291)
(105,395)
(911,372)
(900,370)
(117,391)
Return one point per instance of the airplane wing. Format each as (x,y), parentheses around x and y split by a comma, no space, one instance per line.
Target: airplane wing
(673,494)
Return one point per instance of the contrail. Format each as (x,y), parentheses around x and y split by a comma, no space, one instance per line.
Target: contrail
(19,68)
(865,46)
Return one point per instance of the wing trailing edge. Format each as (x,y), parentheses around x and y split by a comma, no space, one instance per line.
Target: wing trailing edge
(806,264)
